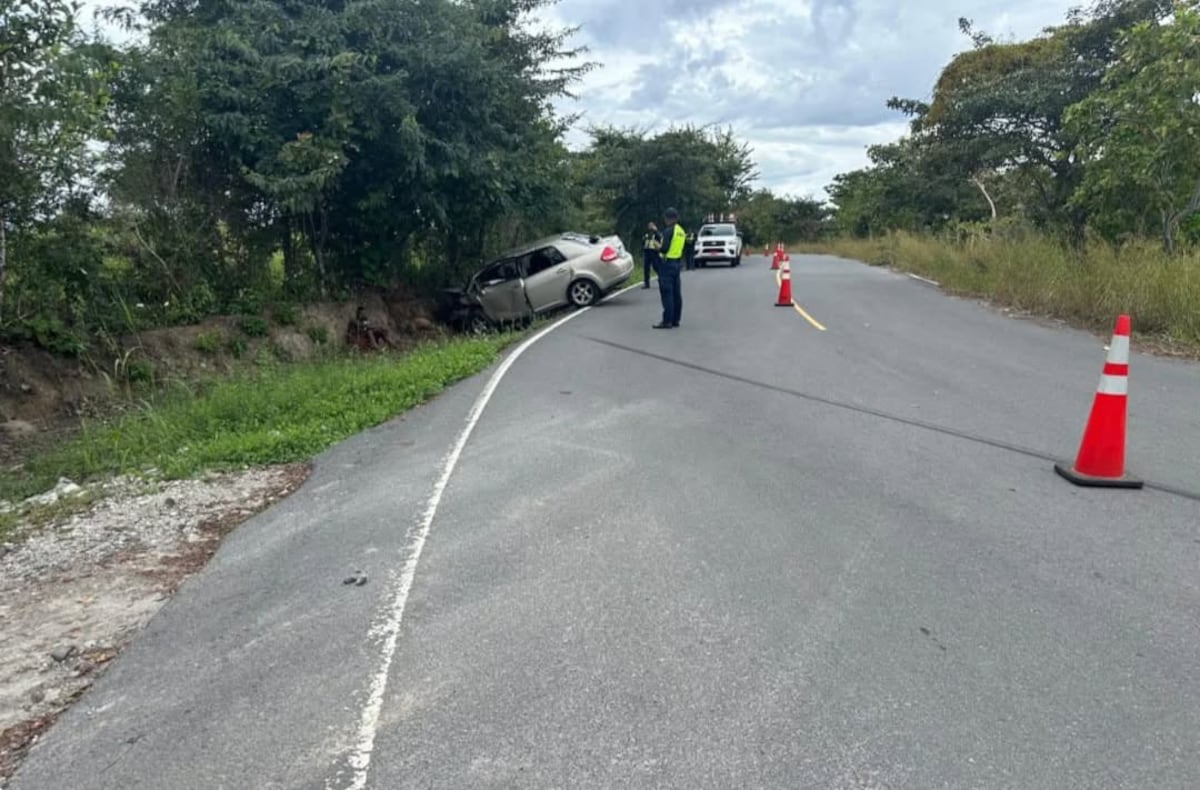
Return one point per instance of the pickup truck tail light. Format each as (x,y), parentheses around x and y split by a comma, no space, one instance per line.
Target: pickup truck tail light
(608,255)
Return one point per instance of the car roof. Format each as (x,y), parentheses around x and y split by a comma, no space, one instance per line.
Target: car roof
(546,241)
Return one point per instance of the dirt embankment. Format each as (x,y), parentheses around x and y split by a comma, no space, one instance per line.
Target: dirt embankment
(43,396)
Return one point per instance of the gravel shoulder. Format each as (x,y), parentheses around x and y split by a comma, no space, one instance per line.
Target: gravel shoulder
(93,570)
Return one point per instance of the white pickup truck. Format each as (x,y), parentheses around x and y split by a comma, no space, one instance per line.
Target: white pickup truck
(718,241)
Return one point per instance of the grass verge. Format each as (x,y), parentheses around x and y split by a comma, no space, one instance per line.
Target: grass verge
(1040,276)
(279,414)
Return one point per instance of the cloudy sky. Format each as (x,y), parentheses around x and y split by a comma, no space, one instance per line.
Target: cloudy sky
(804,81)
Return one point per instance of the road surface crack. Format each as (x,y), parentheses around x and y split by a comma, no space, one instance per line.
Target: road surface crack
(866,410)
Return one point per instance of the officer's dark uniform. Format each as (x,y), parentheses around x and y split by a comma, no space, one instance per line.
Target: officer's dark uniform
(669,266)
(651,243)
(689,250)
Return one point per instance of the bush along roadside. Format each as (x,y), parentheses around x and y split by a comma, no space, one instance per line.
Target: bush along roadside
(1037,275)
(274,415)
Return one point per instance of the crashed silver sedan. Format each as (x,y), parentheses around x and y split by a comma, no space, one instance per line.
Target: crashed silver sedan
(570,269)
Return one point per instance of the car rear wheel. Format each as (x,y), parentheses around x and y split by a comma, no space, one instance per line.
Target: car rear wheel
(582,293)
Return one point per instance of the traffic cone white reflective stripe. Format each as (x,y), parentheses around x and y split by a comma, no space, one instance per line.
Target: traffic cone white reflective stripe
(1114,379)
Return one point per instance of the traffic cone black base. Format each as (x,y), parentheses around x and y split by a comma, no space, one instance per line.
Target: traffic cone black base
(1066,472)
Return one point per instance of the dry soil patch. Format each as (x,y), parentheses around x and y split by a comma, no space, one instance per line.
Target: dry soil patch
(74,591)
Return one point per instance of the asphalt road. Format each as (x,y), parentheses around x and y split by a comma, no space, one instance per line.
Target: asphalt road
(744,553)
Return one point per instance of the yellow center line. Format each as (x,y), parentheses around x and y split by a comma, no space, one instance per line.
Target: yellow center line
(799,309)
(807,317)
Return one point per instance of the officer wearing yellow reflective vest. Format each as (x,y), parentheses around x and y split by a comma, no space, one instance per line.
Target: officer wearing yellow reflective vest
(669,266)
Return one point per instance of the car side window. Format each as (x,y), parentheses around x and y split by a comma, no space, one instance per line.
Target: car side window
(502,270)
(543,259)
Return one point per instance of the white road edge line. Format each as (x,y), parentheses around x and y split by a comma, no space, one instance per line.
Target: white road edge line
(387,626)
(924,279)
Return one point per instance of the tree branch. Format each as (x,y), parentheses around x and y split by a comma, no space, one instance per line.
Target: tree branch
(991,203)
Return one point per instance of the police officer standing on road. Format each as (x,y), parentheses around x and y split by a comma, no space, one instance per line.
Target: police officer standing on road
(689,250)
(669,267)
(651,244)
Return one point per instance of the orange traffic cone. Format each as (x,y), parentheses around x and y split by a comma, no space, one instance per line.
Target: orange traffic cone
(785,287)
(777,257)
(1101,459)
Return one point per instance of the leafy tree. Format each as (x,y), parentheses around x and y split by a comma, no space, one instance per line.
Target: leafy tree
(765,218)
(636,178)
(1140,132)
(49,98)
(916,184)
(999,107)
(361,129)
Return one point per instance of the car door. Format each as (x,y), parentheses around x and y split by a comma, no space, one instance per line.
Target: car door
(547,275)
(502,291)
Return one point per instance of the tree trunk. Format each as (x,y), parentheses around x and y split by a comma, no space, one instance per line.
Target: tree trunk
(991,203)
(1076,228)
(1171,220)
(316,241)
(3,259)
(291,275)
(453,253)
(1168,237)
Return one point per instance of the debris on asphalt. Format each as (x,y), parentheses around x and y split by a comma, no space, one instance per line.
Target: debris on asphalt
(77,584)
(63,653)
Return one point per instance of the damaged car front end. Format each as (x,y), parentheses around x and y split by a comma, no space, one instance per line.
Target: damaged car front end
(570,269)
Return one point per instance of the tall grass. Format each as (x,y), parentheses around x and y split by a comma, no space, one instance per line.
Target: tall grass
(1038,275)
(279,414)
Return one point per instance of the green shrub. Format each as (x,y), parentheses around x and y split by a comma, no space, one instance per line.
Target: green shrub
(286,314)
(139,371)
(209,342)
(319,335)
(253,326)
(236,347)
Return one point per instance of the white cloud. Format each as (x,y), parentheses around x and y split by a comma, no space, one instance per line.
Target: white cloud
(804,81)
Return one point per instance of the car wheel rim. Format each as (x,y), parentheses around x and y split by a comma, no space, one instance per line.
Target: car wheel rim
(581,293)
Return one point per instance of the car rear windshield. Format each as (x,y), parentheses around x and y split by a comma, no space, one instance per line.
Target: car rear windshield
(718,230)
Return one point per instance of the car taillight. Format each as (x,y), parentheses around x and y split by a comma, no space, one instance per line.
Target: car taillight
(608,255)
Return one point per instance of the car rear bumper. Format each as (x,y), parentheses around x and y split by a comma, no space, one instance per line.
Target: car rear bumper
(620,272)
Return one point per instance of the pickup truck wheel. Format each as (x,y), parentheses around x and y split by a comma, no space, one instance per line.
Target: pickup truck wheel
(583,293)
(736,262)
